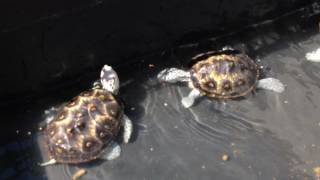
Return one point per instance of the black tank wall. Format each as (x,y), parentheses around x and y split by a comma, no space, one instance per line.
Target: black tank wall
(44,42)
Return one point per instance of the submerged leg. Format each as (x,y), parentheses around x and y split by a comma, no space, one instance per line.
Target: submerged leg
(173,75)
(50,162)
(127,128)
(114,152)
(271,84)
(189,100)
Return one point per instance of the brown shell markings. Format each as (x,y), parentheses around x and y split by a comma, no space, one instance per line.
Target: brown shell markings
(224,75)
(83,127)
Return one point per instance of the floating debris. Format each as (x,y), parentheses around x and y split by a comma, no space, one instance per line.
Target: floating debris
(316,171)
(151,65)
(225,157)
(78,174)
(313,56)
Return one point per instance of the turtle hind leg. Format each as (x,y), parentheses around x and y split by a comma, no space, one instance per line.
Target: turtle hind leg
(173,75)
(188,101)
(50,162)
(272,84)
(115,152)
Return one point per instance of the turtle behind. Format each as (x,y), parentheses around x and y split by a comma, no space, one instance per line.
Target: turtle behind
(224,75)
(84,127)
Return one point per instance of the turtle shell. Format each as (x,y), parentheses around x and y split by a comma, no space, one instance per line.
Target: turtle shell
(224,74)
(83,127)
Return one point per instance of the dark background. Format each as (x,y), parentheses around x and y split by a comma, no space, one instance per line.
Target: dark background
(47,43)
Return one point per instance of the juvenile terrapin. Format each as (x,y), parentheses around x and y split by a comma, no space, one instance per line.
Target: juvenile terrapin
(225,74)
(85,128)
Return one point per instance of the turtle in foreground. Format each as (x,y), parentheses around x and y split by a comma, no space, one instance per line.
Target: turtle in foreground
(225,74)
(84,129)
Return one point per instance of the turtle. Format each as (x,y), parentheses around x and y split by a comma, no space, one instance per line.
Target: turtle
(84,128)
(223,74)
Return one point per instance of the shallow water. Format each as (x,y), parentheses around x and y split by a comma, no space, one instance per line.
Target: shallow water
(266,135)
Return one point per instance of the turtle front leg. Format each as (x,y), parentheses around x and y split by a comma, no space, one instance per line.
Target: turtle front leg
(173,75)
(272,84)
(127,128)
(188,101)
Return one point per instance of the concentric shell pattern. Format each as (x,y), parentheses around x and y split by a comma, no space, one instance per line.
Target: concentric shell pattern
(84,127)
(228,74)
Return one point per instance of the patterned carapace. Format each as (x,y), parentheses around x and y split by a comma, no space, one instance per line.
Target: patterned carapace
(225,74)
(84,127)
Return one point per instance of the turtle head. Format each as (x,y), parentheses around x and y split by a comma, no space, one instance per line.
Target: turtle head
(109,79)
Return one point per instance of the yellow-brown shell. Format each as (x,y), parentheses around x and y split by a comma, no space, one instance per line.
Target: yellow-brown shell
(227,74)
(83,127)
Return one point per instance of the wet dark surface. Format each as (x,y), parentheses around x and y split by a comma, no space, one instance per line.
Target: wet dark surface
(45,42)
(266,135)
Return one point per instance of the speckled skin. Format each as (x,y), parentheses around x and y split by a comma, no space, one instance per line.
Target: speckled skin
(225,74)
(84,127)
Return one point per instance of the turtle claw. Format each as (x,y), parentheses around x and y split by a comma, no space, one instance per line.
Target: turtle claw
(271,84)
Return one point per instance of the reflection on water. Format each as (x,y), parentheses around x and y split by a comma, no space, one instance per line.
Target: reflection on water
(266,135)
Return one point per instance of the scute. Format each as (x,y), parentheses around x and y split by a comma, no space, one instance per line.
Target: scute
(83,127)
(225,74)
